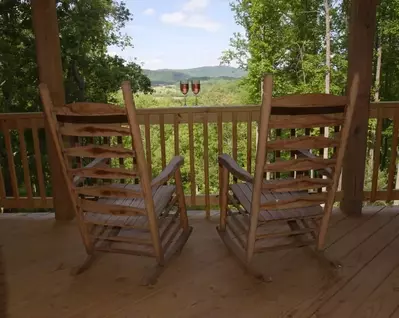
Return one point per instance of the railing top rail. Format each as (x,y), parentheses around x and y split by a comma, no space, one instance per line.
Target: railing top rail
(387,107)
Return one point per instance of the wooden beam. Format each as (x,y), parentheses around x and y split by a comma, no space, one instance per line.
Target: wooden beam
(360,58)
(48,55)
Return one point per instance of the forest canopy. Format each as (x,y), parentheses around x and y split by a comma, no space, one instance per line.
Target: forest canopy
(87,28)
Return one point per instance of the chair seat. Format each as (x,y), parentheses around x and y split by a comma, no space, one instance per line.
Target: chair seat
(161,196)
(243,193)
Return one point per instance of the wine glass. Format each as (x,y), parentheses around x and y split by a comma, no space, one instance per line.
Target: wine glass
(184,87)
(196,87)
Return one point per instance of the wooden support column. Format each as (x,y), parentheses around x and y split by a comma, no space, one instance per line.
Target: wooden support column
(362,25)
(48,56)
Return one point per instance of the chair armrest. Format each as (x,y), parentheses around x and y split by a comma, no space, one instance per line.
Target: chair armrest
(229,163)
(96,162)
(328,172)
(169,171)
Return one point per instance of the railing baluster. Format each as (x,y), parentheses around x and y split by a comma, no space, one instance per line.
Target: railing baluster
(220,133)
(10,158)
(206,167)
(162,138)
(377,158)
(148,143)
(24,159)
(38,161)
(192,158)
(392,164)
(277,153)
(220,139)
(321,154)
(249,142)
(121,161)
(176,133)
(292,153)
(234,133)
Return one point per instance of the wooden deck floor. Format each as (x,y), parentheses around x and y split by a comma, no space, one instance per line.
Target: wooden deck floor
(205,281)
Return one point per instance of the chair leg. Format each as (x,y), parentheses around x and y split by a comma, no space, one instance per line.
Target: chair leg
(323,259)
(240,255)
(85,265)
(92,255)
(315,253)
(152,277)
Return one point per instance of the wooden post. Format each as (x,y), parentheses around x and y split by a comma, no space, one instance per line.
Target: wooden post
(48,56)
(360,58)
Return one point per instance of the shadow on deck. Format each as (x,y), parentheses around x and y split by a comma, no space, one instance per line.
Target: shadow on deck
(205,281)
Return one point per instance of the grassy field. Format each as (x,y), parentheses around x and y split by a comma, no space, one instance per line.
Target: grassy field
(213,92)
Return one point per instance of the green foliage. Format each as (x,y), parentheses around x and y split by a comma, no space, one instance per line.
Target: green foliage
(87,28)
(286,38)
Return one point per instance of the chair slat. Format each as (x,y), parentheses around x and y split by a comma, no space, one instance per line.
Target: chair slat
(309,100)
(294,202)
(108,191)
(99,152)
(113,209)
(94,130)
(300,164)
(103,173)
(302,142)
(306,121)
(304,183)
(89,109)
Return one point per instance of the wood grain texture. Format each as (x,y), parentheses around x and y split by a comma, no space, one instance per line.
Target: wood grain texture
(103,173)
(95,151)
(90,109)
(94,130)
(360,62)
(296,280)
(309,100)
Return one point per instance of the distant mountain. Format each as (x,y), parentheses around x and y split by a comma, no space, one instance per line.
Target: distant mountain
(169,76)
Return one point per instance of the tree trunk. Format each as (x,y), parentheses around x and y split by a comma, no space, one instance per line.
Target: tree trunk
(378,72)
(328,64)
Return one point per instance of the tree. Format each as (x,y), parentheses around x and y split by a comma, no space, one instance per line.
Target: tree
(287,39)
(87,28)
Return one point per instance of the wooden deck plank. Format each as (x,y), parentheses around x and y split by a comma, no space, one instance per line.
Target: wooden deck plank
(363,284)
(383,301)
(205,280)
(347,224)
(395,314)
(356,260)
(360,232)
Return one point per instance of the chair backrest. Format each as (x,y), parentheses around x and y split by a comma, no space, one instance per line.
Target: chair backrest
(293,151)
(95,143)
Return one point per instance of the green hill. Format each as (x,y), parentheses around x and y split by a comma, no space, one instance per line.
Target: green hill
(170,76)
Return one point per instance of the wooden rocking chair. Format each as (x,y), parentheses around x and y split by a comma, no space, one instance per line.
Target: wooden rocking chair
(261,214)
(118,209)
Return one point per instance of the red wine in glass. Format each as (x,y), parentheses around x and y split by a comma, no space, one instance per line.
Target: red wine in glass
(184,87)
(196,87)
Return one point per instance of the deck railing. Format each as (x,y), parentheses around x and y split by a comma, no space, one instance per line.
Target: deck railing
(197,133)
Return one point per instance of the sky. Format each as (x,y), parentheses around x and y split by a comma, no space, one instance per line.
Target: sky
(178,34)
